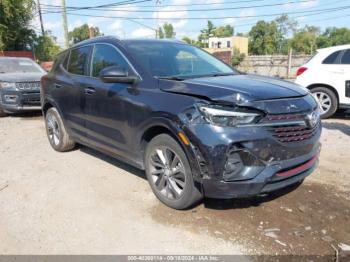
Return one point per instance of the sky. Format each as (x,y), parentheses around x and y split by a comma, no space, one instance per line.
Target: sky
(241,14)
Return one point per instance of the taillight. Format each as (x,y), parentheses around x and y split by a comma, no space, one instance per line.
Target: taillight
(301,70)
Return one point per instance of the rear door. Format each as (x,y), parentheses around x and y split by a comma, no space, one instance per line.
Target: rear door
(69,88)
(340,75)
(345,93)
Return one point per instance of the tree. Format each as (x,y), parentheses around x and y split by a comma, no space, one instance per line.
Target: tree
(160,33)
(224,31)
(188,40)
(15,28)
(333,36)
(285,27)
(237,57)
(46,47)
(167,31)
(304,41)
(264,38)
(206,33)
(82,33)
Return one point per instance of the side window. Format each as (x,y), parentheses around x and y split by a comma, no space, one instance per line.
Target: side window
(332,58)
(78,61)
(58,61)
(66,60)
(105,56)
(345,60)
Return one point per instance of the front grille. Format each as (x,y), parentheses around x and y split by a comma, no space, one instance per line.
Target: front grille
(288,128)
(28,86)
(287,134)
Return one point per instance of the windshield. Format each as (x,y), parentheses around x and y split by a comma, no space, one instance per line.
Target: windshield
(18,65)
(177,60)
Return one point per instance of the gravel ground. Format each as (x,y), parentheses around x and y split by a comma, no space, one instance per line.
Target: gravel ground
(84,202)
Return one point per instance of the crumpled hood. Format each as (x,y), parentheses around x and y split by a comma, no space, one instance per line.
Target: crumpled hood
(21,77)
(252,87)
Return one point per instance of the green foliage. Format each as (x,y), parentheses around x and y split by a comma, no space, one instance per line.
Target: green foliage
(206,33)
(188,40)
(224,31)
(167,31)
(334,36)
(81,33)
(15,29)
(285,27)
(160,33)
(237,57)
(305,41)
(264,37)
(46,47)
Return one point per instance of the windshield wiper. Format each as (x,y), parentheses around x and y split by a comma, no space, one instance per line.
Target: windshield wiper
(175,78)
(222,74)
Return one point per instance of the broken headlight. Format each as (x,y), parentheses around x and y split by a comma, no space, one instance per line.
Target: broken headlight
(223,116)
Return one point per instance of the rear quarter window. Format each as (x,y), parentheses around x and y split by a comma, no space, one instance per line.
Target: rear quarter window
(58,61)
(332,58)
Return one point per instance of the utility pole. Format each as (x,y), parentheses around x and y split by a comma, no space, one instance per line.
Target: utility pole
(158,2)
(64,22)
(41,19)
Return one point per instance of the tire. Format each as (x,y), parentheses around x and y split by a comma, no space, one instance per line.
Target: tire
(2,113)
(56,132)
(328,101)
(169,174)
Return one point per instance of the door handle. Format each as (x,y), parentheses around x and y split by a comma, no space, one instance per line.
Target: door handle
(89,91)
(57,85)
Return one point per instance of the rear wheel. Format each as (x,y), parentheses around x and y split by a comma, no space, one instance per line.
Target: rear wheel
(56,132)
(169,173)
(327,99)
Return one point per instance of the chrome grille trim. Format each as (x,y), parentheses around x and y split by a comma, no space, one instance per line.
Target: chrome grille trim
(28,86)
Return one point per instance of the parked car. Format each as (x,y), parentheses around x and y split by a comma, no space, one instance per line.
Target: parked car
(195,125)
(327,75)
(19,85)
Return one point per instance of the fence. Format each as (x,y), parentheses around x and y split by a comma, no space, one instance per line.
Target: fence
(282,66)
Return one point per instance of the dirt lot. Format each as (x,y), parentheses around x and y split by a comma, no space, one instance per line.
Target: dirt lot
(85,202)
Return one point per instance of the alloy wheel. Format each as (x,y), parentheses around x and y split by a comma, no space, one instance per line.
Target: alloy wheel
(324,100)
(53,129)
(167,172)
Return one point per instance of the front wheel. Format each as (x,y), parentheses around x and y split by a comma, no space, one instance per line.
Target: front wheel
(327,99)
(169,173)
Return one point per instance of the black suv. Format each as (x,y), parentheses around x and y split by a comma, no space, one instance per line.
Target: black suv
(195,125)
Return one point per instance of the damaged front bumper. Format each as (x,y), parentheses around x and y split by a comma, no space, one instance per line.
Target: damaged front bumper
(245,161)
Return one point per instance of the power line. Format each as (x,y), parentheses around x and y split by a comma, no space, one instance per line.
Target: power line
(190,4)
(199,10)
(222,17)
(127,2)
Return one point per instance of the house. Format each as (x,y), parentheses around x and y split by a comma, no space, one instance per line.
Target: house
(218,44)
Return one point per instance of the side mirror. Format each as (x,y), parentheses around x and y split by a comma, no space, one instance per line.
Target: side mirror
(114,74)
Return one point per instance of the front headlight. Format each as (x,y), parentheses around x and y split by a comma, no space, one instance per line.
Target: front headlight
(7,85)
(222,116)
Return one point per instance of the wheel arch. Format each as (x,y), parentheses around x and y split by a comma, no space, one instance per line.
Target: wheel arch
(47,105)
(154,130)
(310,87)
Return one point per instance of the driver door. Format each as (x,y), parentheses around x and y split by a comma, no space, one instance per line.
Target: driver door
(107,121)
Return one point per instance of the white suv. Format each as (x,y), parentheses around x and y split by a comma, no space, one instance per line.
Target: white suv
(327,75)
